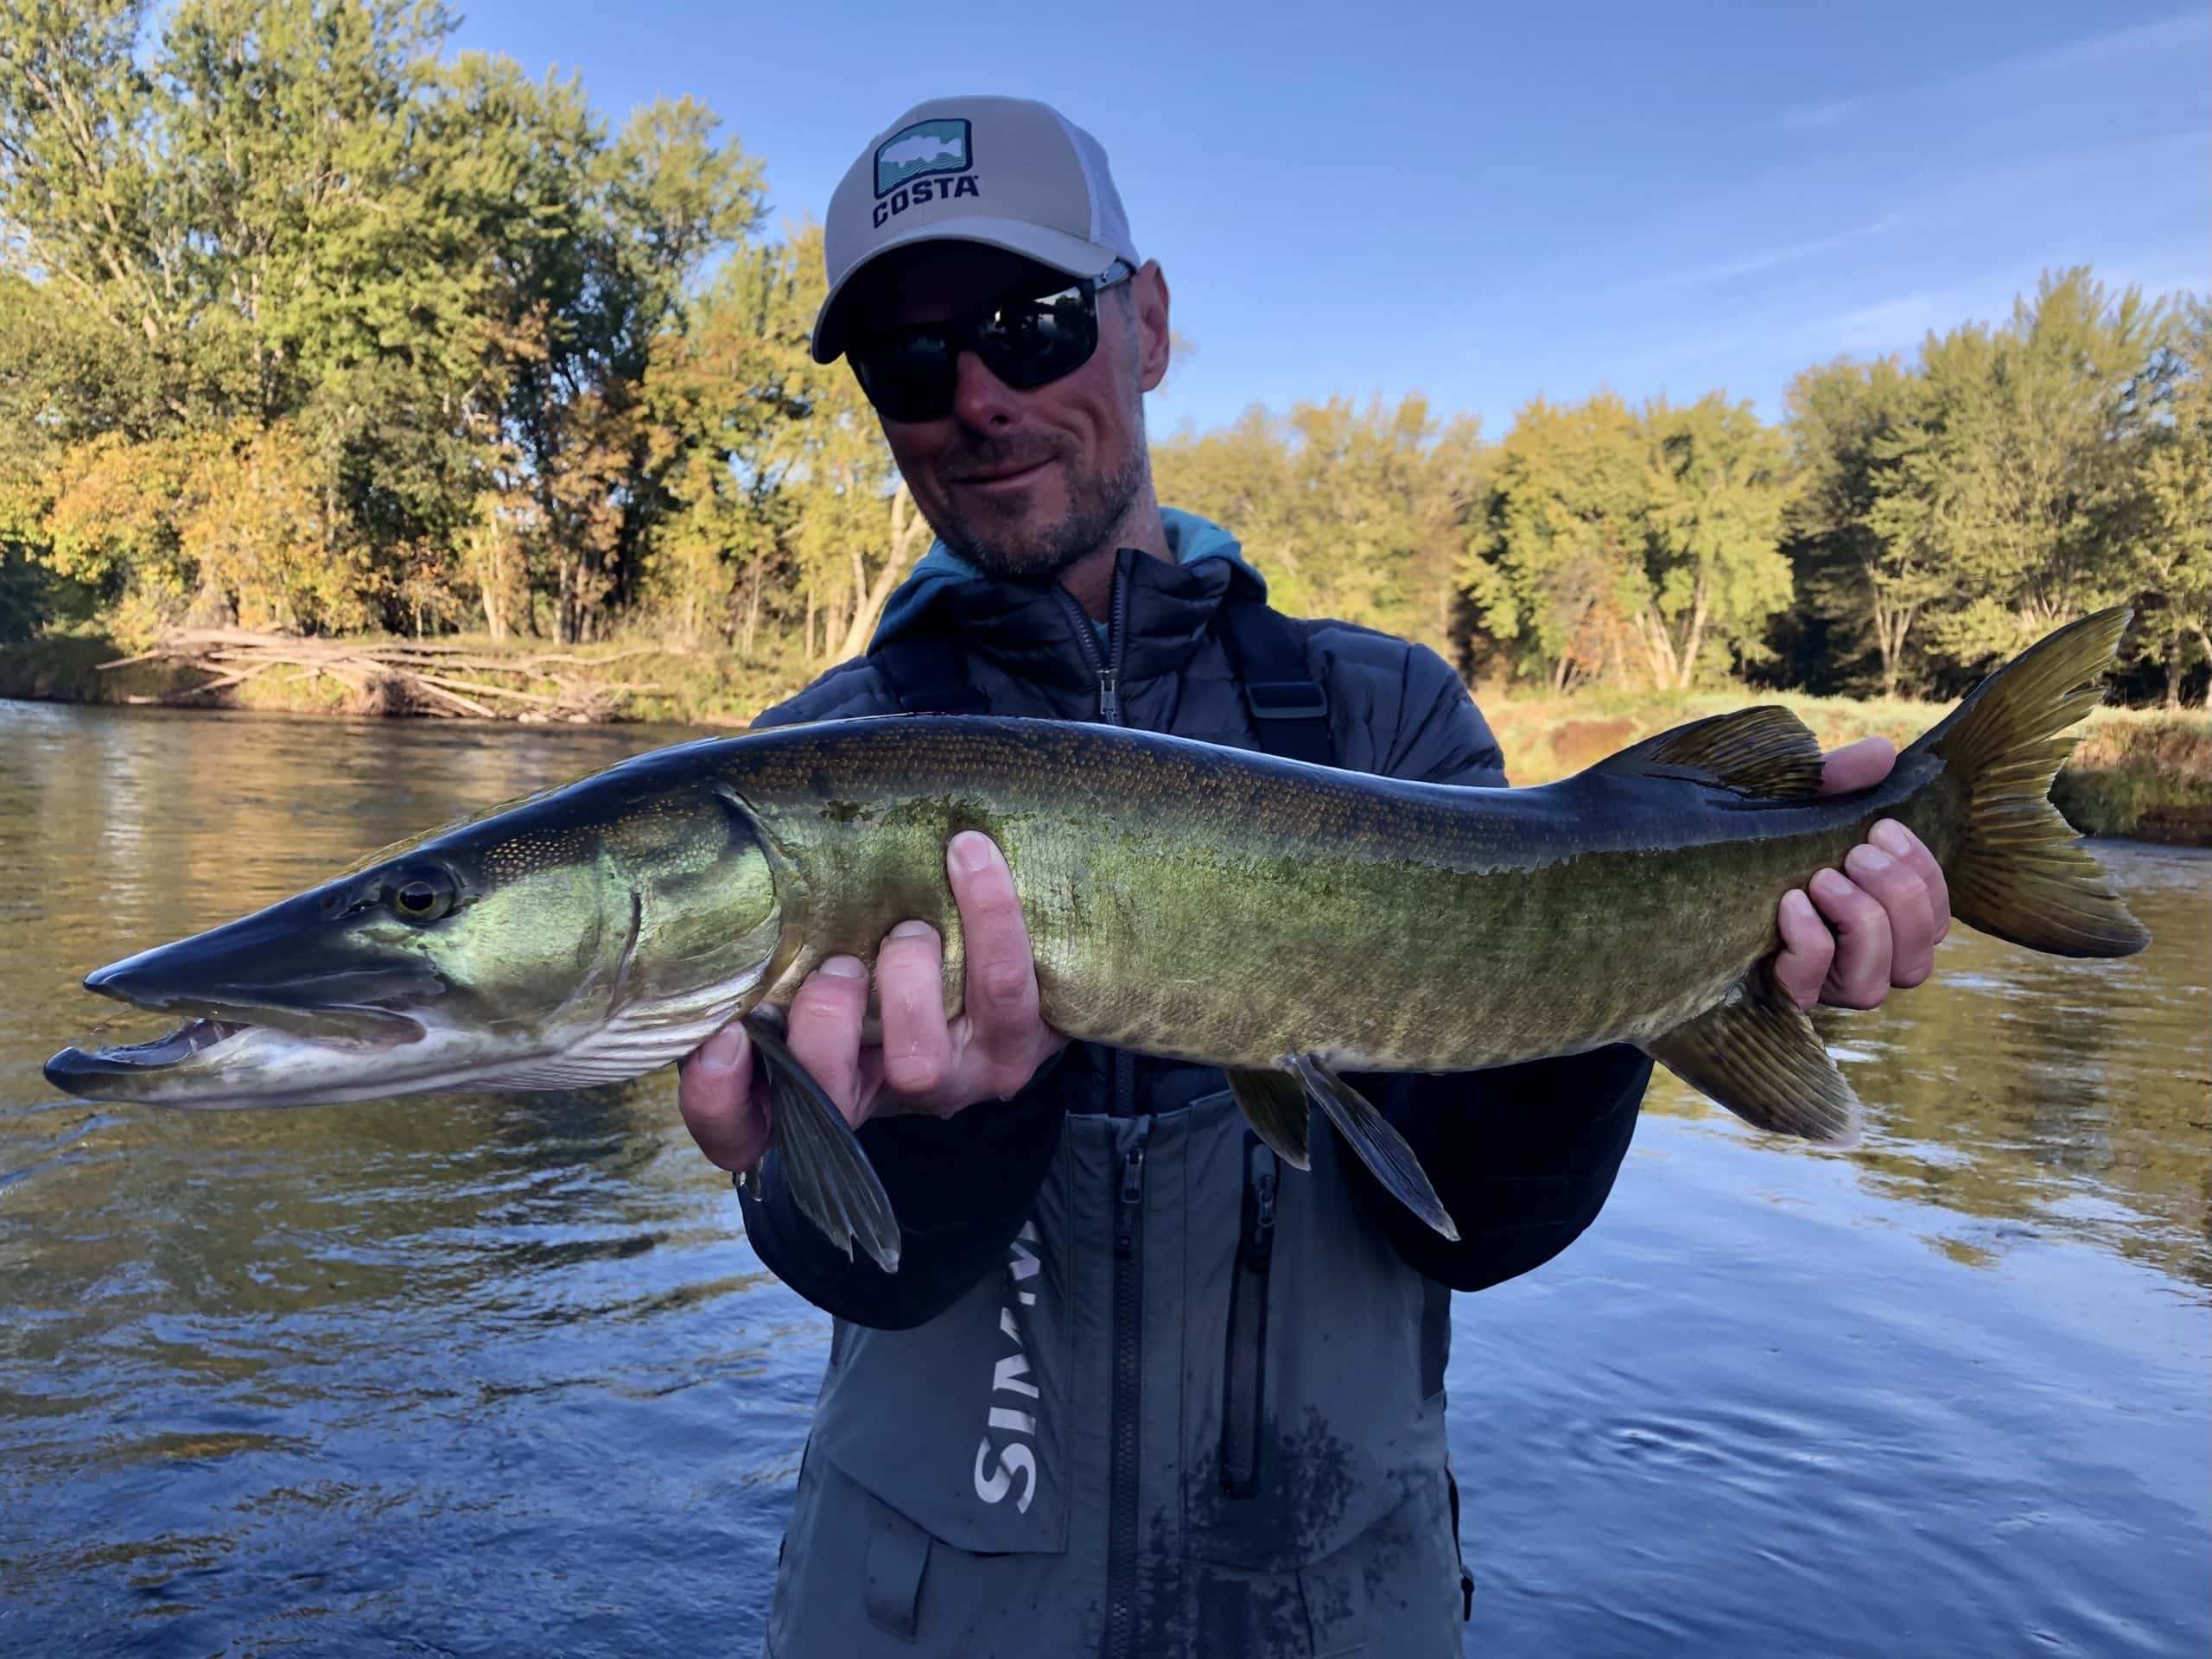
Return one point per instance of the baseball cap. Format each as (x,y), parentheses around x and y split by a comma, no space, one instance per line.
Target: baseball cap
(1007,172)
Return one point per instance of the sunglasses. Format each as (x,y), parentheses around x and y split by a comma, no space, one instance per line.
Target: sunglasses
(910,374)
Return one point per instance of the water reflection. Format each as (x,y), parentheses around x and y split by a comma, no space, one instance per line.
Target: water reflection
(319,1375)
(2028,1091)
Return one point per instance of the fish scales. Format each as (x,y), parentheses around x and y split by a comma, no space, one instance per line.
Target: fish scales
(1222,907)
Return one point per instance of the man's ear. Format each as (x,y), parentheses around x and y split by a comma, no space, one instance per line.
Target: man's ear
(1148,298)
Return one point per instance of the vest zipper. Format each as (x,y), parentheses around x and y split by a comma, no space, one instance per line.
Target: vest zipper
(1109,714)
(1128,1377)
(1108,670)
(1244,1377)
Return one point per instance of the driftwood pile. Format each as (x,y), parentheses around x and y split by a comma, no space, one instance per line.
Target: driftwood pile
(403,676)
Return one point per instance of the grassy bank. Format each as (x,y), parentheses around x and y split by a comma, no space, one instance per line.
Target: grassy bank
(2138,773)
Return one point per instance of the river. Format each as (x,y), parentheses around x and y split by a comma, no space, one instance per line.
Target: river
(489,1377)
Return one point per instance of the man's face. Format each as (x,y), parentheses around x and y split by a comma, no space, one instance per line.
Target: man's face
(1022,484)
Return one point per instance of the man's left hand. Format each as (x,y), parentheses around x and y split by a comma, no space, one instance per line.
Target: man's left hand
(1877,921)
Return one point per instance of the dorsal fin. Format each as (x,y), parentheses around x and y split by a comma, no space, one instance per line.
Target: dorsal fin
(1766,752)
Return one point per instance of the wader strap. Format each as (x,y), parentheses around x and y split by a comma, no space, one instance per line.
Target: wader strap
(923,671)
(897,1551)
(1290,712)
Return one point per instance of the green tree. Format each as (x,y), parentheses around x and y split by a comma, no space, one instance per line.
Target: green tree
(1632,546)
(2022,435)
(1356,511)
(2162,524)
(1555,563)
(1860,592)
(436,287)
(1712,517)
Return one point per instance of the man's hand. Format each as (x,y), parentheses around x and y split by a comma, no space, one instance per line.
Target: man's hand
(925,1062)
(1877,921)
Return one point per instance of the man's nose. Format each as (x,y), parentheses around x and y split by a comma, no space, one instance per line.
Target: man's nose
(980,399)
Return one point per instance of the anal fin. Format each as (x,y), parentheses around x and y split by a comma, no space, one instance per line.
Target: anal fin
(1275,1105)
(831,1180)
(1380,1146)
(1758,1055)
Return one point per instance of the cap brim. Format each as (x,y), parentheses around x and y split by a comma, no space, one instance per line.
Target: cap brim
(1047,247)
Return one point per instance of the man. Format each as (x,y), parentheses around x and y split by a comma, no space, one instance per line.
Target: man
(1133,1390)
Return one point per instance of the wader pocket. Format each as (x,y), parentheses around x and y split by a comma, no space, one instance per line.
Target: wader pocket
(863,1581)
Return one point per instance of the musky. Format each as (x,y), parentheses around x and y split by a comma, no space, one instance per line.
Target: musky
(1484,202)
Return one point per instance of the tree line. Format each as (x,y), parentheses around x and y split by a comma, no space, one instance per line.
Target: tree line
(308,322)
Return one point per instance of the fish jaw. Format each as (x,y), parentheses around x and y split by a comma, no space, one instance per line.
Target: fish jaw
(220,1059)
(222,1064)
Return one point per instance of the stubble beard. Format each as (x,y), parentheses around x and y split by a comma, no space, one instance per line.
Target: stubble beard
(998,542)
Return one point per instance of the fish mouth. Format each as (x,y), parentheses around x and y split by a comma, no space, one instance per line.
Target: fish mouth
(74,1067)
(235,1040)
(202,1046)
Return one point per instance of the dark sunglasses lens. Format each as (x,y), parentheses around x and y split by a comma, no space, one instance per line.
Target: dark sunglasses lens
(908,378)
(911,376)
(1028,342)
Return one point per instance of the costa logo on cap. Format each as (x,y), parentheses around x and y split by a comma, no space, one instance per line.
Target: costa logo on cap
(908,164)
(938,146)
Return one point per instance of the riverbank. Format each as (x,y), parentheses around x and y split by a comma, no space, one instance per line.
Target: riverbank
(2141,773)
(533,681)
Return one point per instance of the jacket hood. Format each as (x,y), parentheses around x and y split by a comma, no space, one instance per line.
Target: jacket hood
(944,576)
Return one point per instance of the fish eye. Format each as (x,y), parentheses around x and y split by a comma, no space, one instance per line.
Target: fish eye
(421,894)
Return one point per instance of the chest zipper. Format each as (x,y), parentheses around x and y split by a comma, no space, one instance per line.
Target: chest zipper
(1244,1377)
(1129,1397)
(1106,664)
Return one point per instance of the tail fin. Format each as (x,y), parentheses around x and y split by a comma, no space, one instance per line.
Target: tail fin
(2017,872)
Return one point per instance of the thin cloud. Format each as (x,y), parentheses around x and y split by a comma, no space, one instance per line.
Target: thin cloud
(2182,36)
(1899,323)
(2182,33)
(1767,259)
(1890,323)
(1815,117)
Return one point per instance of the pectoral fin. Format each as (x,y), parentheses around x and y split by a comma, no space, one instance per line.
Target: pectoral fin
(1758,1055)
(831,1180)
(1275,1105)
(1381,1147)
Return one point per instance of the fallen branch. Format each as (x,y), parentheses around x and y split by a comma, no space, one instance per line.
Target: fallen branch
(402,678)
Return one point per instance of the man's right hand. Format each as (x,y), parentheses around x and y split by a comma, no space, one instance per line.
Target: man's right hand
(925,1062)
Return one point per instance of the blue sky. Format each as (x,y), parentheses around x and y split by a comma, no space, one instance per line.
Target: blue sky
(1485,202)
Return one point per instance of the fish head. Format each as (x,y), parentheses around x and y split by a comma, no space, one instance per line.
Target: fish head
(583,937)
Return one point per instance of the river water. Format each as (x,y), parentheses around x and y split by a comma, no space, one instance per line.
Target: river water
(486,1376)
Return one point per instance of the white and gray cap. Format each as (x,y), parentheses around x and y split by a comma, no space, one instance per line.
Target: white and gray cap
(1007,172)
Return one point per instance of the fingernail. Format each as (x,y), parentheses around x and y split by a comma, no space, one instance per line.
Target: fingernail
(1872,860)
(1829,884)
(1894,837)
(720,1052)
(1799,907)
(911,929)
(971,853)
(843,968)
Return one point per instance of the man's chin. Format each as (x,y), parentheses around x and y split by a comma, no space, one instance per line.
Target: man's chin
(1019,564)
(1032,547)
